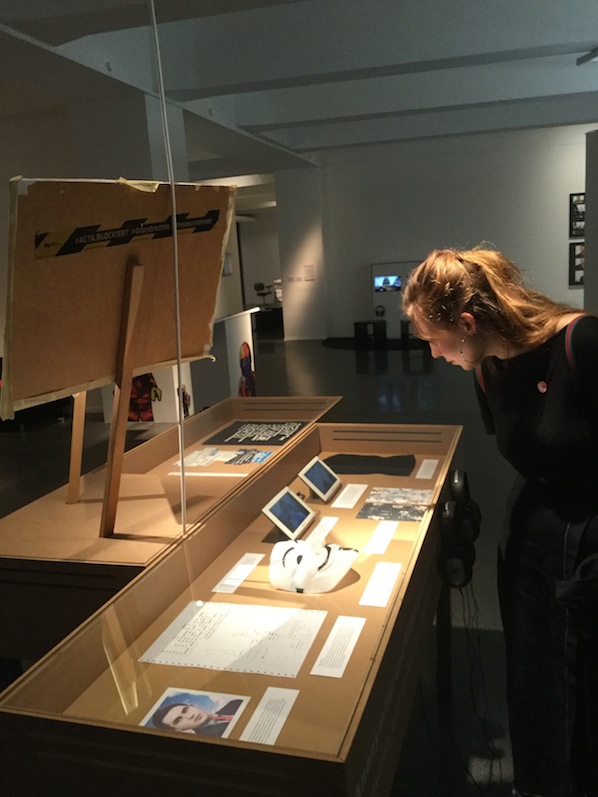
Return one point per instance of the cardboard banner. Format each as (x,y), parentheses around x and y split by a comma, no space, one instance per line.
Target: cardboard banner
(71,243)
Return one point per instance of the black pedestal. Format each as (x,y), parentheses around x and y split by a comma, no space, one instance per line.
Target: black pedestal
(370,334)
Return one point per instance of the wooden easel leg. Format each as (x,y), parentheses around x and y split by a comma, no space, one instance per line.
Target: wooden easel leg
(120,408)
(77,430)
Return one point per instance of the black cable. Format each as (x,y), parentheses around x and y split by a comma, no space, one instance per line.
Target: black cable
(475,656)
(422,700)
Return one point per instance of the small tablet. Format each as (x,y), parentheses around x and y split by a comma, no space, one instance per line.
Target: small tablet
(289,513)
(322,479)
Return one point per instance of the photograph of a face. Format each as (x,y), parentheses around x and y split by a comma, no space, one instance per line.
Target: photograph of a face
(200,713)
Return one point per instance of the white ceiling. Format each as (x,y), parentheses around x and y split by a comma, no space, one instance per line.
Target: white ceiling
(269,85)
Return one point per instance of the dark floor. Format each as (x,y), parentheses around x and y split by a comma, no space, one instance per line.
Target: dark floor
(459,747)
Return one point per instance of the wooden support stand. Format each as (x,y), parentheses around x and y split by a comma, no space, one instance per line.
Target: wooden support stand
(122,395)
(78,428)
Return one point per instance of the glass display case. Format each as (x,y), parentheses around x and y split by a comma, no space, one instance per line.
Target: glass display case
(56,569)
(200,673)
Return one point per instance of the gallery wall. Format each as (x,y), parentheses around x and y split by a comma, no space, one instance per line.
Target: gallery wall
(377,204)
(397,202)
(28,148)
(259,252)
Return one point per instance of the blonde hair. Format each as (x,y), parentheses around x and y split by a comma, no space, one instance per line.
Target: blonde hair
(485,283)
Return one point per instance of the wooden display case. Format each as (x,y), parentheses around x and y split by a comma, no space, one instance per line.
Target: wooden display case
(55,569)
(72,722)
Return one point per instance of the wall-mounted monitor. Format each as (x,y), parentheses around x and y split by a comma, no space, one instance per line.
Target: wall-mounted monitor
(320,478)
(289,513)
(390,282)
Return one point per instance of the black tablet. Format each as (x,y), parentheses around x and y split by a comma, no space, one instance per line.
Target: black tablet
(287,511)
(322,479)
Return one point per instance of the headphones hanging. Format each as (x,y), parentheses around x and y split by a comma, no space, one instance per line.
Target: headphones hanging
(457,555)
(470,514)
(460,524)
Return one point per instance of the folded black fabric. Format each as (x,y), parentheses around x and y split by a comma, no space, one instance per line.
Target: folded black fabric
(370,463)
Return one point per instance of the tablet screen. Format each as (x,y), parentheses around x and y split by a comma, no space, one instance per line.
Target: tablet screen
(289,513)
(322,480)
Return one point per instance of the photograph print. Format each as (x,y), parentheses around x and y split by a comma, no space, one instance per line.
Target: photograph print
(576,263)
(200,713)
(577,215)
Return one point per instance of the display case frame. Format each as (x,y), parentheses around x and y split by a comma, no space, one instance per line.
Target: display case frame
(58,723)
(55,570)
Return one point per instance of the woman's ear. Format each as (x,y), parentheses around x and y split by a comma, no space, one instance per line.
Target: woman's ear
(467,324)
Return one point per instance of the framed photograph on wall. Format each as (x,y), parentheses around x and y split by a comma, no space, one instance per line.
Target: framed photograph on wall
(577,215)
(576,263)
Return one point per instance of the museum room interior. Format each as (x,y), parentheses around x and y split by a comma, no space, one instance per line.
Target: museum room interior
(358,137)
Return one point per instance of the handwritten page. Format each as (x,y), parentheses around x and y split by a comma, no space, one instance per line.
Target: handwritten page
(268,640)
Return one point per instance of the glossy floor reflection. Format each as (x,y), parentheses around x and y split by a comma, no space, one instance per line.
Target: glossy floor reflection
(459,747)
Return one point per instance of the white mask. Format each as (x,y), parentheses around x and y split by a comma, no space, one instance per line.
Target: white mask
(309,565)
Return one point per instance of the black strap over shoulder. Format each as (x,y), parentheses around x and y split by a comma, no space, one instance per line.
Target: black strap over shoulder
(569,343)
